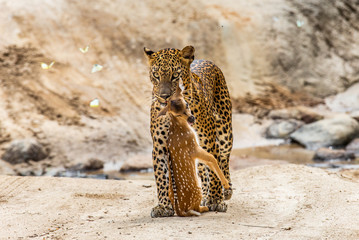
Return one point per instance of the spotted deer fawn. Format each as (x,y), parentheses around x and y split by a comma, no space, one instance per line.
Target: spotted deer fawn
(185,190)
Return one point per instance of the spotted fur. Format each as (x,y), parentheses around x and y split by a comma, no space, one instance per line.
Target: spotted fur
(185,190)
(206,92)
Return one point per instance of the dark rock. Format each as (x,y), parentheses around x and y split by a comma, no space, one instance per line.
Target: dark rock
(93,164)
(282,129)
(336,131)
(327,154)
(301,113)
(24,150)
(90,165)
(353,147)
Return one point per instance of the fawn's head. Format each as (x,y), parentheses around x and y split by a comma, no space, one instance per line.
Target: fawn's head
(178,107)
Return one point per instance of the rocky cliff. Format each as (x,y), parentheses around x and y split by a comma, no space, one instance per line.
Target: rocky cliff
(308,46)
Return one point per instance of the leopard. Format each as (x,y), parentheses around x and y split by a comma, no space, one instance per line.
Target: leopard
(206,92)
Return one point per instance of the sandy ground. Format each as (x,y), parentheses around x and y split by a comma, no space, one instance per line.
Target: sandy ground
(269,202)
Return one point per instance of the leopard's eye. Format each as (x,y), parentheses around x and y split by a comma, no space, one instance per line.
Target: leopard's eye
(175,75)
(156,75)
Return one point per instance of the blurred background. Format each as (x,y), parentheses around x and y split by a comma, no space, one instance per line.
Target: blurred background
(287,62)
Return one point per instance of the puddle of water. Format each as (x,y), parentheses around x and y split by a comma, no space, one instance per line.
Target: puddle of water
(138,175)
(116,175)
(293,153)
(288,152)
(337,165)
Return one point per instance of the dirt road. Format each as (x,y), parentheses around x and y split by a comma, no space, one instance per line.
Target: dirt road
(270,202)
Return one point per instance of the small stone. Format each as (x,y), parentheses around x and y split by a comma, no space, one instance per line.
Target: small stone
(282,129)
(336,132)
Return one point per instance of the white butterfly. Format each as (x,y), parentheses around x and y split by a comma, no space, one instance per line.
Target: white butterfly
(45,66)
(96,68)
(84,50)
(299,23)
(95,103)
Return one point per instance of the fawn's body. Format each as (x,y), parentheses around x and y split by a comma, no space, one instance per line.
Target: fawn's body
(185,190)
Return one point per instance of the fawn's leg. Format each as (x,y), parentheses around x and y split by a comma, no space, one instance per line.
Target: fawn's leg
(208,159)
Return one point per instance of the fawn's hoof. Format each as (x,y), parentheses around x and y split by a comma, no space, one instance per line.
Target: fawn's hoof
(161,211)
(228,193)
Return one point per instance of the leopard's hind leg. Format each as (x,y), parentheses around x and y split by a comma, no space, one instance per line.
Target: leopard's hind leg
(224,135)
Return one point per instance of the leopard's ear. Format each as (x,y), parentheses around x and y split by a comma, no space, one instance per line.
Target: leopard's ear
(187,54)
(149,54)
(163,111)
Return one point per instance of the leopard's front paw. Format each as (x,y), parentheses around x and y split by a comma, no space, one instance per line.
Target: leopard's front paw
(215,205)
(162,211)
(218,207)
(228,193)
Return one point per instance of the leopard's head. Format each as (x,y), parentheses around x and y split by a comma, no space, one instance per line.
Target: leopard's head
(167,67)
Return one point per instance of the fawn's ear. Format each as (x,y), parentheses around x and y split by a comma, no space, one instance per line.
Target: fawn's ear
(149,54)
(163,111)
(187,54)
(178,92)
